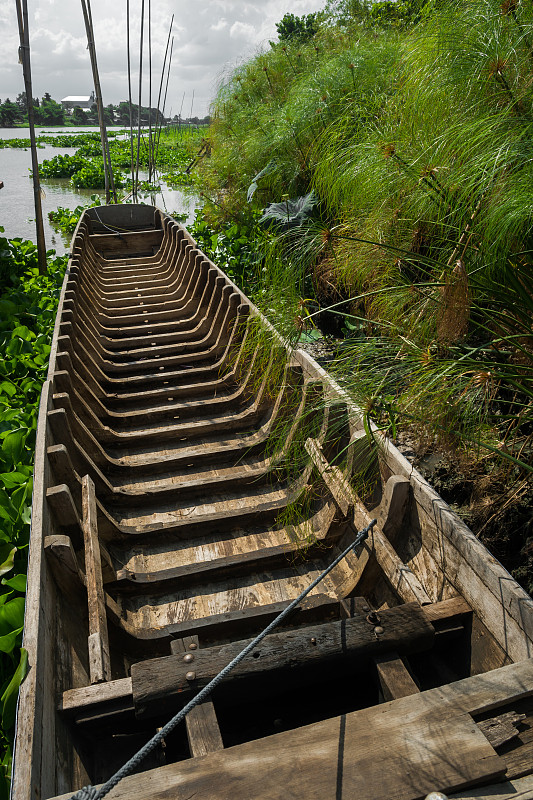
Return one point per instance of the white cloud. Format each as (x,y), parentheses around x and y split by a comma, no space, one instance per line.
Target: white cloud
(209,37)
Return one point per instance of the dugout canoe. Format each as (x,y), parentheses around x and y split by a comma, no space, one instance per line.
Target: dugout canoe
(169,528)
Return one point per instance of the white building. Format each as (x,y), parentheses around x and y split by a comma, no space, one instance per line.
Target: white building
(82,101)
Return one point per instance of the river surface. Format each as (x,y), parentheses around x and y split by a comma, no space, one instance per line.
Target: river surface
(17,213)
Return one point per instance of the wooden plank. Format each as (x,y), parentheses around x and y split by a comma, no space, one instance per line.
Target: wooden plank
(404,628)
(400,576)
(87,697)
(372,754)
(502,728)
(74,700)
(394,677)
(99,658)
(60,500)
(520,789)
(203,732)
(127,243)
(64,565)
(465,562)
(446,609)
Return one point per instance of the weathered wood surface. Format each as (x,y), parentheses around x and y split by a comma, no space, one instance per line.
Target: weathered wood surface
(458,558)
(308,758)
(404,629)
(98,641)
(519,789)
(502,728)
(403,580)
(154,396)
(88,697)
(203,732)
(394,677)
(403,749)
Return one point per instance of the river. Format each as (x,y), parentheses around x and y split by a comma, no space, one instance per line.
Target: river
(17,214)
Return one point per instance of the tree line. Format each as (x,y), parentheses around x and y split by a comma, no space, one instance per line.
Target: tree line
(49,112)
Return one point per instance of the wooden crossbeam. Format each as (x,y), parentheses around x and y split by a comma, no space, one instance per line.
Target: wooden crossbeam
(401,577)
(99,658)
(403,628)
(88,698)
(201,723)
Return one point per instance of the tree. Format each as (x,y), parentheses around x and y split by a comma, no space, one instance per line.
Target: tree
(123,113)
(109,114)
(79,116)
(301,28)
(50,112)
(9,113)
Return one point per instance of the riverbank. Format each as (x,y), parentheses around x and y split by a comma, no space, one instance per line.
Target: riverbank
(389,157)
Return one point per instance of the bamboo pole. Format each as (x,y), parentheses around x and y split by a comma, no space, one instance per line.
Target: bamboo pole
(106,140)
(140,96)
(161,81)
(24,54)
(150,140)
(108,173)
(165,98)
(133,187)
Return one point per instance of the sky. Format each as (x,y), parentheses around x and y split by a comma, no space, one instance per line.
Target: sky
(210,37)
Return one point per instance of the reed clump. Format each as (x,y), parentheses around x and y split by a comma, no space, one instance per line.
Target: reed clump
(415,134)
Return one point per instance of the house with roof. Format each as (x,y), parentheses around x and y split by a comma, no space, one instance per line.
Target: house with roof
(81,101)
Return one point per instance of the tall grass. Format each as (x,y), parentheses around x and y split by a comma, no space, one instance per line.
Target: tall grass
(418,143)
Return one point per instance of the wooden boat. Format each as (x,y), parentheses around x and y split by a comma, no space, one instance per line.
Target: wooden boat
(162,542)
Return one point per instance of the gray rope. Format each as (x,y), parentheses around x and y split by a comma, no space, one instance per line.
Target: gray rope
(91,793)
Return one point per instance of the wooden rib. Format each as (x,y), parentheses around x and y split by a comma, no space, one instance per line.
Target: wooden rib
(403,580)
(87,697)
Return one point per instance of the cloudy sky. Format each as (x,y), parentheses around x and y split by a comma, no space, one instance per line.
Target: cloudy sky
(210,36)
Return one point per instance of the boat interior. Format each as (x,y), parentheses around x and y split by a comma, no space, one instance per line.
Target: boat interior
(193,477)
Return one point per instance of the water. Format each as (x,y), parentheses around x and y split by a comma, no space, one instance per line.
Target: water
(17,213)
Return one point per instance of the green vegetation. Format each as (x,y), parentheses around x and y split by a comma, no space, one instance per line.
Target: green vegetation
(86,170)
(28,305)
(412,124)
(49,112)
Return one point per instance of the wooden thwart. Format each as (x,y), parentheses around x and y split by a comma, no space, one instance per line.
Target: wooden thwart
(404,628)
(89,697)
(98,641)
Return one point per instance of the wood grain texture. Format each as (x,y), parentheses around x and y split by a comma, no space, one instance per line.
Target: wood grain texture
(402,579)
(98,641)
(373,754)
(404,628)
(203,732)
(394,677)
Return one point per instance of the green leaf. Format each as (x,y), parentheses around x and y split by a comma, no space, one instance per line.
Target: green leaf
(7,554)
(13,444)
(12,616)
(12,479)
(18,583)
(23,333)
(9,641)
(6,387)
(9,698)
